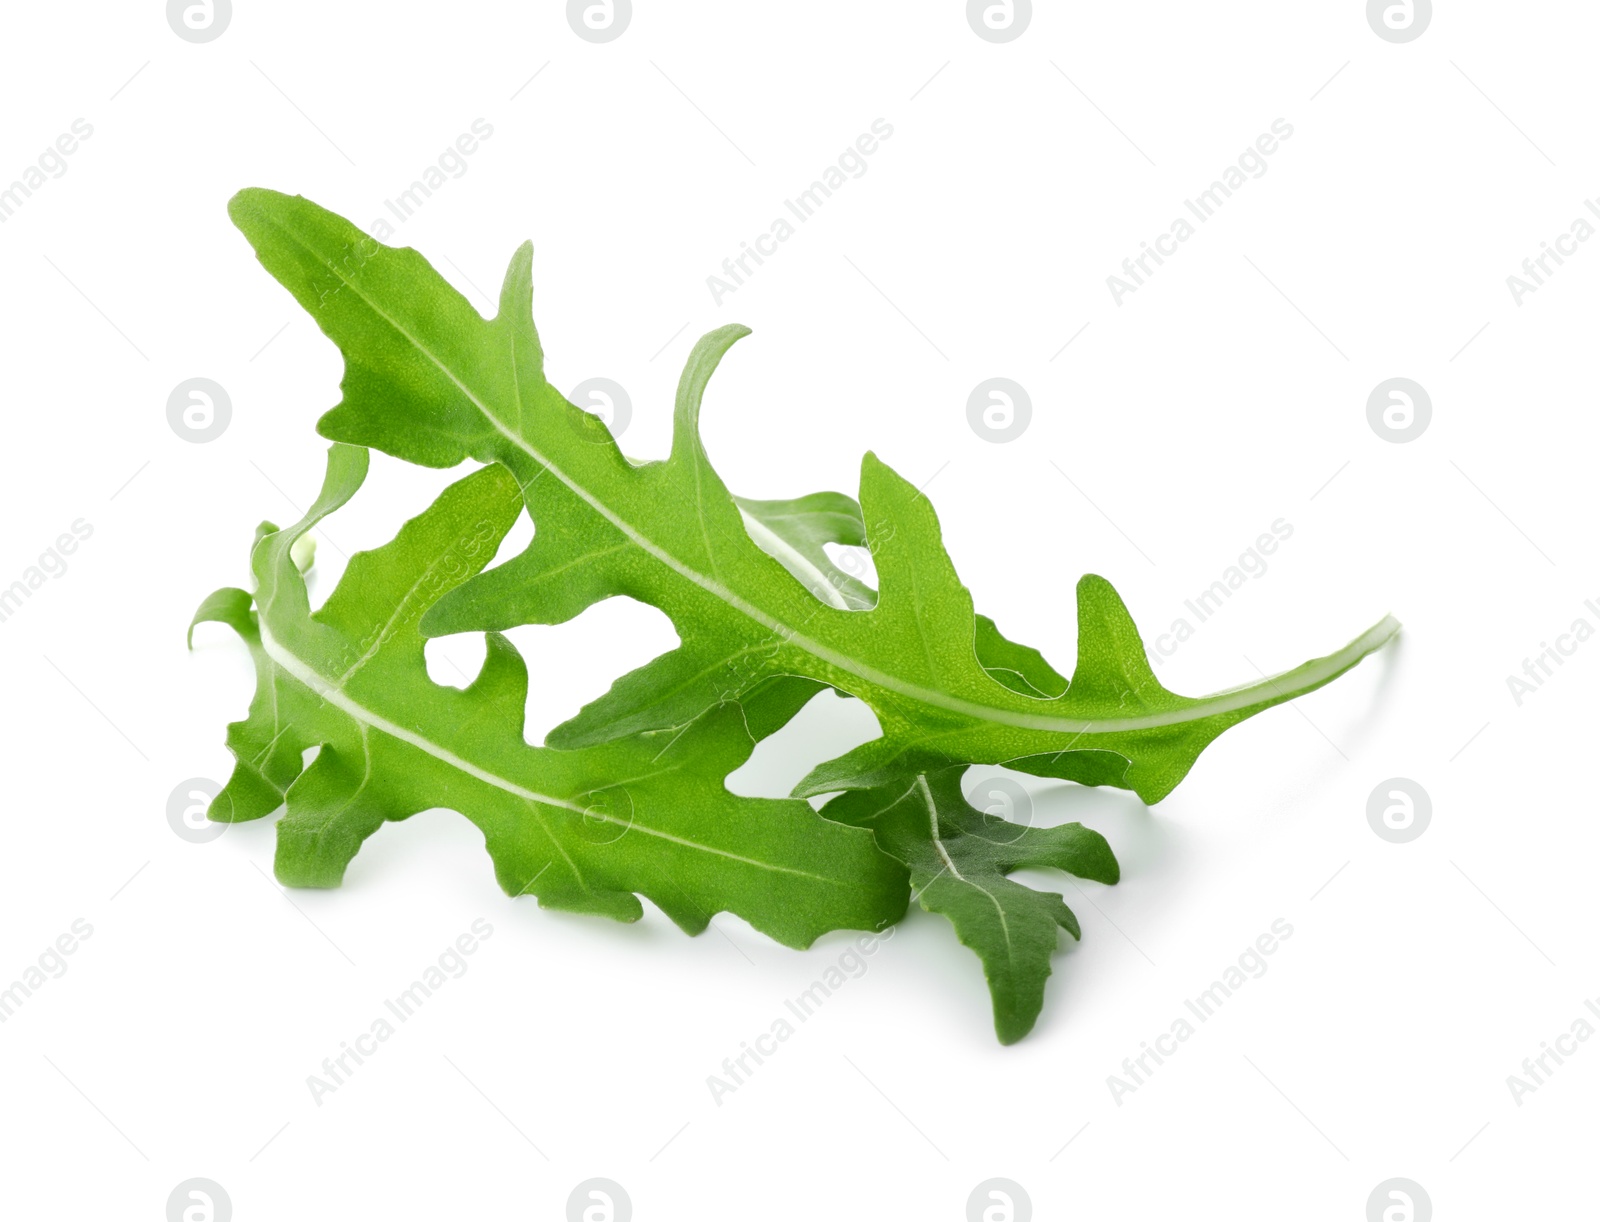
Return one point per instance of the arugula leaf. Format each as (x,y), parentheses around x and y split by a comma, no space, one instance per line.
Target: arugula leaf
(429,380)
(959,859)
(581,830)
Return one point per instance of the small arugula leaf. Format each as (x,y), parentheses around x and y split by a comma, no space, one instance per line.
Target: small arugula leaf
(429,380)
(586,831)
(959,859)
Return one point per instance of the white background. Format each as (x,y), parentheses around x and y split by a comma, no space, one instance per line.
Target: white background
(1226,393)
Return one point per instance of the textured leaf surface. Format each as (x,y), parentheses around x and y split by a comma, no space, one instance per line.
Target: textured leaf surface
(585,830)
(429,380)
(959,858)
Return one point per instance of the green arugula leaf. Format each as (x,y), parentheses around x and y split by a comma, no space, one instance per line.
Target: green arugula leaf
(429,380)
(959,858)
(582,830)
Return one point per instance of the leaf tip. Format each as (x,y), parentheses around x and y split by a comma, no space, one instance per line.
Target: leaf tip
(879,479)
(516,290)
(229,606)
(1012,1028)
(251,205)
(1093,587)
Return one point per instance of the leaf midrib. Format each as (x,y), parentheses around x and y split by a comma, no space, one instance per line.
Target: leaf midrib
(330,691)
(938,843)
(1227,702)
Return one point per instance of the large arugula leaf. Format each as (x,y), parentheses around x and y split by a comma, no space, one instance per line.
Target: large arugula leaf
(959,858)
(429,380)
(582,830)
